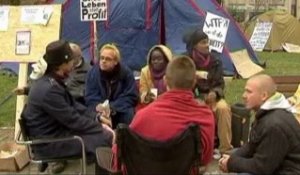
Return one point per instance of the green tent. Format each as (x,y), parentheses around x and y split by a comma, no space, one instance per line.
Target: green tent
(285,29)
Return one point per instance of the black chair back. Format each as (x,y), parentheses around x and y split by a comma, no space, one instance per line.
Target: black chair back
(23,129)
(176,156)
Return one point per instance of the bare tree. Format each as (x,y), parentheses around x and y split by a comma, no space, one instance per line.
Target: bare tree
(9,2)
(260,5)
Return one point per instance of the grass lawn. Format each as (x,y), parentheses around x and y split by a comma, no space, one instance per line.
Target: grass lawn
(7,109)
(278,63)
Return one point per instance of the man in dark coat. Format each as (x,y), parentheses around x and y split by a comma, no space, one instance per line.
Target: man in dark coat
(52,112)
(76,81)
(111,83)
(273,146)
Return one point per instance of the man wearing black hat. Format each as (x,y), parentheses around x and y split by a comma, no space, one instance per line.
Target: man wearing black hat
(210,85)
(51,111)
(75,82)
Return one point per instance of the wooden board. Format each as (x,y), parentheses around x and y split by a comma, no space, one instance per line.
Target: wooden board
(41,35)
(287,84)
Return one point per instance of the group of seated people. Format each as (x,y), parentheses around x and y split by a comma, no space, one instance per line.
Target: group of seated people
(178,90)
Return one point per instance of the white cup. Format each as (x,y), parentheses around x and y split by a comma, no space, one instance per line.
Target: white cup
(154,91)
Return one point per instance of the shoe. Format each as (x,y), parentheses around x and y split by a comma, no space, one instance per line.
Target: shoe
(42,167)
(58,167)
(216,154)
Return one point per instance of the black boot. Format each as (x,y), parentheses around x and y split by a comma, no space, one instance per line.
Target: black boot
(100,171)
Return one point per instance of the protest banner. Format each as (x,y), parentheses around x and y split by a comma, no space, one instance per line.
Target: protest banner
(93,10)
(216,28)
(260,35)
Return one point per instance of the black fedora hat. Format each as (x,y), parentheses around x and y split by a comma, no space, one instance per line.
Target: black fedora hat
(58,52)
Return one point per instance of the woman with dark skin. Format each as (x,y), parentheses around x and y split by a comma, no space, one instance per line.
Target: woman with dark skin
(151,82)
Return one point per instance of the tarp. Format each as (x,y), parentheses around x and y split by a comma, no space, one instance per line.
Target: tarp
(181,15)
(285,29)
(136,25)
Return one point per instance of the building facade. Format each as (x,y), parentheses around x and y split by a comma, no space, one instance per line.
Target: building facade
(250,6)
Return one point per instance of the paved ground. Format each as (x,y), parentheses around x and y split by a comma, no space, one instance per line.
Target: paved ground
(7,134)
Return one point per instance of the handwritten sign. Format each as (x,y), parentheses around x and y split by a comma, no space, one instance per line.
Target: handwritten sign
(4,11)
(216,28)
(260,35)
(36,14)
(93,10)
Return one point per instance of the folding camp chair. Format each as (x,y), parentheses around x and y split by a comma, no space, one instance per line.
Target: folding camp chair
(24,139)
(140,156)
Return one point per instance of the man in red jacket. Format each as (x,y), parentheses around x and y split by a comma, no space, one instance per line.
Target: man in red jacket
(172,112)
(175,109)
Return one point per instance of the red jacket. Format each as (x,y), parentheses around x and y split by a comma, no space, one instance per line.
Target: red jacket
(170,114)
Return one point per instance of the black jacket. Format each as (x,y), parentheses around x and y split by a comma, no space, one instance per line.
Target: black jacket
(76,81)
(215,81)
(273,148)
(52,112)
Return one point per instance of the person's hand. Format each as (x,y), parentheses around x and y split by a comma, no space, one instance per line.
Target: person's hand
(291,100)
(105,120)
(111,131)
(200,101)
(100,108)
(150,97)
(201,75)
(223,163)
(19,91)
(103,108)
(211,98)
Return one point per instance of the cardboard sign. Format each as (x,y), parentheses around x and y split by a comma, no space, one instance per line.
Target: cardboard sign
(243,64)
(260,35)
(216,28)
(291,48)
(93,10)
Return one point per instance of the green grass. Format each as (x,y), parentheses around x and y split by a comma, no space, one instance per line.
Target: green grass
(7,109)
(278,63)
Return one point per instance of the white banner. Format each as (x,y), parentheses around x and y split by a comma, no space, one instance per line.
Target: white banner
(93,10)
(260,35)
(216,28)
(4,11)
(36,14)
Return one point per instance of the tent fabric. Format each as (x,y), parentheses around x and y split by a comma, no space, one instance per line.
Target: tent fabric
(285,29)
(136,25)
(75,30)
(182,15)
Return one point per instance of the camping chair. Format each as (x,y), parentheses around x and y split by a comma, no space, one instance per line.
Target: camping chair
(43,162)
(177,156)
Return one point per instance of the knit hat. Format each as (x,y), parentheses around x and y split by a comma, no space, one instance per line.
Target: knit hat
(192,37)
(58,52)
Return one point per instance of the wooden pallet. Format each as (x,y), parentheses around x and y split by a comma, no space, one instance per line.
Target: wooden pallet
(287,84)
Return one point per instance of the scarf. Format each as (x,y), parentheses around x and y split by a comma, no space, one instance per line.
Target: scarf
(201,60)
(158,82)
